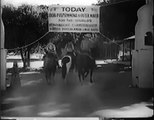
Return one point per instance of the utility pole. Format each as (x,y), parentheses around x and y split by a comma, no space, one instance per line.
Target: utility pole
(2,57)
(123,56)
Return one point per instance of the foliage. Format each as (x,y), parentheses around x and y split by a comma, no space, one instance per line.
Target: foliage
(23,25)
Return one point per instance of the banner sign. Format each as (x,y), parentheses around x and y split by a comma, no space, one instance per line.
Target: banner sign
(73,18)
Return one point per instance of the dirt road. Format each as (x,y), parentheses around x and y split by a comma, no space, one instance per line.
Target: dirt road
(71,99)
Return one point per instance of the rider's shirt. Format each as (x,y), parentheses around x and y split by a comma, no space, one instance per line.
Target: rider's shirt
(86,45)
(51,48)
(69,47)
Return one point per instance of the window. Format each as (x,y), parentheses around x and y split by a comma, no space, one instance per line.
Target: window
(148,39)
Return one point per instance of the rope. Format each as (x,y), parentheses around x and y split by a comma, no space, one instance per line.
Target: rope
(109,39)
(48,31)
(109,4)
(30,43)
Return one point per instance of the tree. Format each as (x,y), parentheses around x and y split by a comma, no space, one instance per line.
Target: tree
(23,26)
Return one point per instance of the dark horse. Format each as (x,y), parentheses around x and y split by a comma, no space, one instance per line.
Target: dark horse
(50,64)
(85,64)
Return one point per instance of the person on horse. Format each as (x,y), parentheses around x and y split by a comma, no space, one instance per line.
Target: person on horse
(15,77)
(70,51)
(50,61)
(86,45)
(50,49)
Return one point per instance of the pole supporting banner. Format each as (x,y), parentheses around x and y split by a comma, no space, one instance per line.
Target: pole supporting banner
(3,69)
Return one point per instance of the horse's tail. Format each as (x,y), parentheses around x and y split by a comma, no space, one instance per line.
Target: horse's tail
(64,69)
(66,64)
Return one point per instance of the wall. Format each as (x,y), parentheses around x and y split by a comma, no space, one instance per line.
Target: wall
(142,62)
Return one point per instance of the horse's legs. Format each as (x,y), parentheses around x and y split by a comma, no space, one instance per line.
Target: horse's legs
(86,73)
(91,70)
(53,73)
(46,78)
(46,75)
(49,78)
(83,75)
(91,73)
(64,70)
(80,74)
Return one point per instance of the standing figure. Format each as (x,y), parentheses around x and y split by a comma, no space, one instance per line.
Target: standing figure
(15,78)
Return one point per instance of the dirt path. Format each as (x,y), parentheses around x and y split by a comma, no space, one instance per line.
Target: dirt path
(36,98)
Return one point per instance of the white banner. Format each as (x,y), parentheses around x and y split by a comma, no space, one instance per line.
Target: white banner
(73,18)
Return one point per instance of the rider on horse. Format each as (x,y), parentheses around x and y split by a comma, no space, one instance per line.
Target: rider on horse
(50,61)
(70,48)
(50,49)
(70,51)
(86,45)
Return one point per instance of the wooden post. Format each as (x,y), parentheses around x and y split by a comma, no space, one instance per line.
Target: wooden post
(123,52)
(130,49)
(2,57)
(106,53)
(111,51)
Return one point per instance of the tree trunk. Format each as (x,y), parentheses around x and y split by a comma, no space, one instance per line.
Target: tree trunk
(23,58)
(105,53)
(28,57)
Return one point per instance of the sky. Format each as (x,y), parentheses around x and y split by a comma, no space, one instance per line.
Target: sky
(50,2)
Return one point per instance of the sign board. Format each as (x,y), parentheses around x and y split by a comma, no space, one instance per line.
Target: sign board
(73,18)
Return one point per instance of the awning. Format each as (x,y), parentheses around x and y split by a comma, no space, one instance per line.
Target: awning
(130,38)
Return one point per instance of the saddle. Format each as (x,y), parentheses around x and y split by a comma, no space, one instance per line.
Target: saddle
(87,54)
(71,56)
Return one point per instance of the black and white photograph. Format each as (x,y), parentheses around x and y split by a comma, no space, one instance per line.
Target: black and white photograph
(76,59)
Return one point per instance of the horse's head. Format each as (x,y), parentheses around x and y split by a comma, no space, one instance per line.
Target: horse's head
(50,55)
(50,59)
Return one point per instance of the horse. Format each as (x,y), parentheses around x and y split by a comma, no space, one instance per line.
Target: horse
(68,63)
(85,64)
(50,65)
